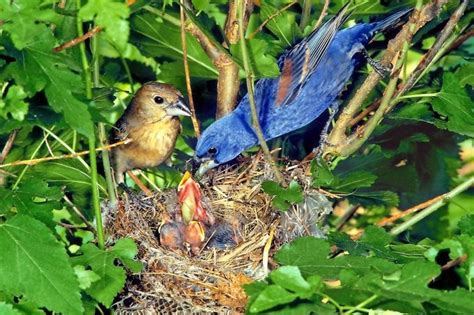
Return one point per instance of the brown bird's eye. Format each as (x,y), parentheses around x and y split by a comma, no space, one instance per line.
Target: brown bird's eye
(158,100)
(212,151)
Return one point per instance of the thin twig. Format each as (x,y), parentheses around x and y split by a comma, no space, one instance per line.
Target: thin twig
(78,40)
(427,59)
(461,39)
(431,54)
(339,143)
(369,109)
(8,145)
(324,12)
(306,14)
(435,206)
(453,263)
(348,214)
(271,17)
(79,213)
(139,183)
(253,106)
(266,250)
(6,149)
(409,211)
(64,156)
(187,74)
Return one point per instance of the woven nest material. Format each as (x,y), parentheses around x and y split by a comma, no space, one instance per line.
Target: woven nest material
(211,282)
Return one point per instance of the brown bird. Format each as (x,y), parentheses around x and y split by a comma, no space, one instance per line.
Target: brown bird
(151,121)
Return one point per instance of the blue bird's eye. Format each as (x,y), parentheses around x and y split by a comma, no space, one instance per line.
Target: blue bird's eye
(212,151)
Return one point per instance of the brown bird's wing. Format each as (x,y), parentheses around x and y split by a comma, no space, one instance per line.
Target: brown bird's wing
(119,132)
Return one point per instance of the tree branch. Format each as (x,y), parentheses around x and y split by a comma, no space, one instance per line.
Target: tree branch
(187,73)
(338,142)
(253,106)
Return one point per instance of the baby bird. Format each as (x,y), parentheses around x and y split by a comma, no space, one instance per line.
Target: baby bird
(151,121)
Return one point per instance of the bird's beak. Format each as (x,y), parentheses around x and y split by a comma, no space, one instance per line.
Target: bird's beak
(179,108)
(205,166)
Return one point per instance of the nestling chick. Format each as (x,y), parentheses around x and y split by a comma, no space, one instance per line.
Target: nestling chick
(151,121)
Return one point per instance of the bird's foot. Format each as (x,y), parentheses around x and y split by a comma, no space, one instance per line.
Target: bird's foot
(382,70)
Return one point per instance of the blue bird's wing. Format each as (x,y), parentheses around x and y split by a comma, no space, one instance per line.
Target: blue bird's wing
(302,60)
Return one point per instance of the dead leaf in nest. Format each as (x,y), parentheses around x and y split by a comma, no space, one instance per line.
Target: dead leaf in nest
(232,294)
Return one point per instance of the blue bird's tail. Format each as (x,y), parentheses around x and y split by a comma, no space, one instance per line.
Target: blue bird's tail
(390,21)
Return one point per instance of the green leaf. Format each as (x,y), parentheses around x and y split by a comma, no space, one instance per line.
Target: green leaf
(34,264)
(38,67)
(7,309)
(24,20)
(161,39)
(283,25)
(112,17)
(112,277)
(466,224)
(455,104)
(34,198)
(310,255)
(85,277)
(71,174)
(465,75)
(354,180)
(420,112)
(262,61)
(201,5)
(290,278)
(374,242)
(127,250)
(283,197)
(14,103)
(271,296)
(321,173)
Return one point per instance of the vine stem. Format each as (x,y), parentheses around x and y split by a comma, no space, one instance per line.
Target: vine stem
(339,143)
(429,210)
(253,106)
(91,138)
(187,74)
(362,304)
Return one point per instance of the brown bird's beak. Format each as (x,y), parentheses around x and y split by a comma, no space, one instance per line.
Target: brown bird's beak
(178,109)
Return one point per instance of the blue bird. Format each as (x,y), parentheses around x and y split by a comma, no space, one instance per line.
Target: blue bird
(312,75)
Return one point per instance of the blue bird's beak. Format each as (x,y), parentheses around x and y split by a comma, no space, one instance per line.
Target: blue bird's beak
(178,108)
(205,165)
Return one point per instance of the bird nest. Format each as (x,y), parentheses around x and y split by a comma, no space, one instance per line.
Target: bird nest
(175,281)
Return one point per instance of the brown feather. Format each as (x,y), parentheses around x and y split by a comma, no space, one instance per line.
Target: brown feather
(284,83)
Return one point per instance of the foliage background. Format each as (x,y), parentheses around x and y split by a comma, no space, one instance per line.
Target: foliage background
(63,102)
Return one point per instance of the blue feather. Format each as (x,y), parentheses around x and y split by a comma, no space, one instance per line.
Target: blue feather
(313,74)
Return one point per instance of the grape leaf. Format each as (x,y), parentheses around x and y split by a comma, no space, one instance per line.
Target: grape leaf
(112,277)
(38,67)
(262,60)
(24,20)
(14,103)
(162,39)
(7,309)
(465,74)
(310,255)
(34,264)
(34,198)
(271,296)
(283,197)
(283,25)
(455,104)
(112,17)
